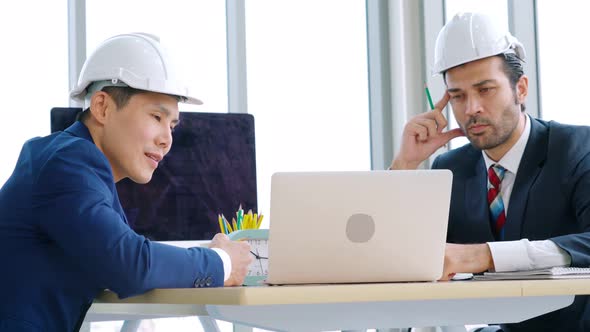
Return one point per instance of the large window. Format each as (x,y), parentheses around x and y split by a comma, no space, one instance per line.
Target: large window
(34,67)
(192,30)
(563,60)
(498,10)
(307,87)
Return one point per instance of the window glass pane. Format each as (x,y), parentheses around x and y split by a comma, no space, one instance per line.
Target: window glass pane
(498,10)
(563,60)
(193,32)
(34,67)
(307,87)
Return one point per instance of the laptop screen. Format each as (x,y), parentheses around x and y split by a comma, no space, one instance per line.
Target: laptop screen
(210,169)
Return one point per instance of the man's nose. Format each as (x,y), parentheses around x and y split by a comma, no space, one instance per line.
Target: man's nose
(164,140)
(473,106)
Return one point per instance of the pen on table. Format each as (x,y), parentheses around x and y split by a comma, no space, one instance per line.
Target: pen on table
(428,96)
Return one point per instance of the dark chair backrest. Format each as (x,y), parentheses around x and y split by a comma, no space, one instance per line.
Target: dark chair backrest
(63,117)
(210,169)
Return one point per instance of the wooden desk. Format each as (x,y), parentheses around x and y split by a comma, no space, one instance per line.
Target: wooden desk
(353,306)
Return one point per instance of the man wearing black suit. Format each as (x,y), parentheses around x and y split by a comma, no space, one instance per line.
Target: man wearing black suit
(521,188)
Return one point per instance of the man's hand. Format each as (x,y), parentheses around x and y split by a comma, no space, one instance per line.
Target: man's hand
(423,135)
(473,258)
(239,253)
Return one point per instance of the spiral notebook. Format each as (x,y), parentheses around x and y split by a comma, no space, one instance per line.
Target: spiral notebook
(549,273)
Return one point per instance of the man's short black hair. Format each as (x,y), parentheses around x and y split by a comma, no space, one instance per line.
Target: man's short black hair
(120,94)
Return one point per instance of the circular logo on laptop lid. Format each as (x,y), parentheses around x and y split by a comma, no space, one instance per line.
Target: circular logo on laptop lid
(360,227)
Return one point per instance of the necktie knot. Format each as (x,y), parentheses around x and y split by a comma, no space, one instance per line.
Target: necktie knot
(495,175)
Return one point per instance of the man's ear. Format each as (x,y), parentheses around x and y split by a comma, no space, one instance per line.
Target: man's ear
(522,89)
(100,106)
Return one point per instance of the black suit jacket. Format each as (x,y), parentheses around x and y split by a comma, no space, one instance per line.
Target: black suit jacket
(550,200)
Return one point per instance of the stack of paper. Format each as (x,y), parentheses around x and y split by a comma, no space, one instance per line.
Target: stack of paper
(549,273)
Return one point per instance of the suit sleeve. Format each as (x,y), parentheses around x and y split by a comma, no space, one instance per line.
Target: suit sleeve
(578,187)
(74,190)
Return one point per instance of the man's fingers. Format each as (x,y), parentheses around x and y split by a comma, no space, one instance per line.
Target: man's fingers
(440,119)
(418,131)
(245,246)
(449,135)
(429,124)
(426,129)
(440,105)
(446,276)
(221,236)
(454,133)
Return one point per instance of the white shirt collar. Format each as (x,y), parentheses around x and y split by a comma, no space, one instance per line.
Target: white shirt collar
(511,159)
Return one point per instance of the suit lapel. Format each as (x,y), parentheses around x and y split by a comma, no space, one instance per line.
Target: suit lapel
(476,203)
(531,163)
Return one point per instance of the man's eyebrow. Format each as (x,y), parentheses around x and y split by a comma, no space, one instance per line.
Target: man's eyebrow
(476,85)
(166,111)
(484,82)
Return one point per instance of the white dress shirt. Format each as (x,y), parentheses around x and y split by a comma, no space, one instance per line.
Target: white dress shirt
(226,262)
(522,254)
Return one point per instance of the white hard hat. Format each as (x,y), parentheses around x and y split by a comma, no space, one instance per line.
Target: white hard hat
(472,36)
(136,60)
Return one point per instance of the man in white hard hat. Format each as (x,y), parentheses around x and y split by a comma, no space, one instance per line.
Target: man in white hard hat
(63,234)
(521,188)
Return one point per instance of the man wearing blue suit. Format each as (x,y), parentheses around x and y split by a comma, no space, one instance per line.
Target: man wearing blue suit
(521,188)
(63,234)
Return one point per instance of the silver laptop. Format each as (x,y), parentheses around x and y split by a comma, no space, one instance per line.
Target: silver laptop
(350,227)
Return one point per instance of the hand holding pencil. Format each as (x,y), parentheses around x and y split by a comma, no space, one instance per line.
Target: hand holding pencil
(239,254)
(424,134)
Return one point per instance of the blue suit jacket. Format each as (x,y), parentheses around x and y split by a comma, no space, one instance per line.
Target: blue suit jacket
(550,200)
(64,238)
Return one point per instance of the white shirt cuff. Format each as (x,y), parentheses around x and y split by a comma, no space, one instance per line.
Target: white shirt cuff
(226,262)
(527,255)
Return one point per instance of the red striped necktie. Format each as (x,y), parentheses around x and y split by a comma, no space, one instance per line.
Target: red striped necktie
(497,211)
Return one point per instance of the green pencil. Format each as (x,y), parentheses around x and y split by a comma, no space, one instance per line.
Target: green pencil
(428,96)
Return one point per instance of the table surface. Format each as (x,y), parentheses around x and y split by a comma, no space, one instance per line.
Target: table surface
(320,307)
(341,293)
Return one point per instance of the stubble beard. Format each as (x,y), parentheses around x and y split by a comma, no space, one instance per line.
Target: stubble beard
(500,132)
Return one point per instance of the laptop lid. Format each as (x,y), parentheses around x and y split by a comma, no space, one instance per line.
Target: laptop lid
(347,227)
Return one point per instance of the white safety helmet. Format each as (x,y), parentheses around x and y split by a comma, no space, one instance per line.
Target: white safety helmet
(472,36)
(136,60)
